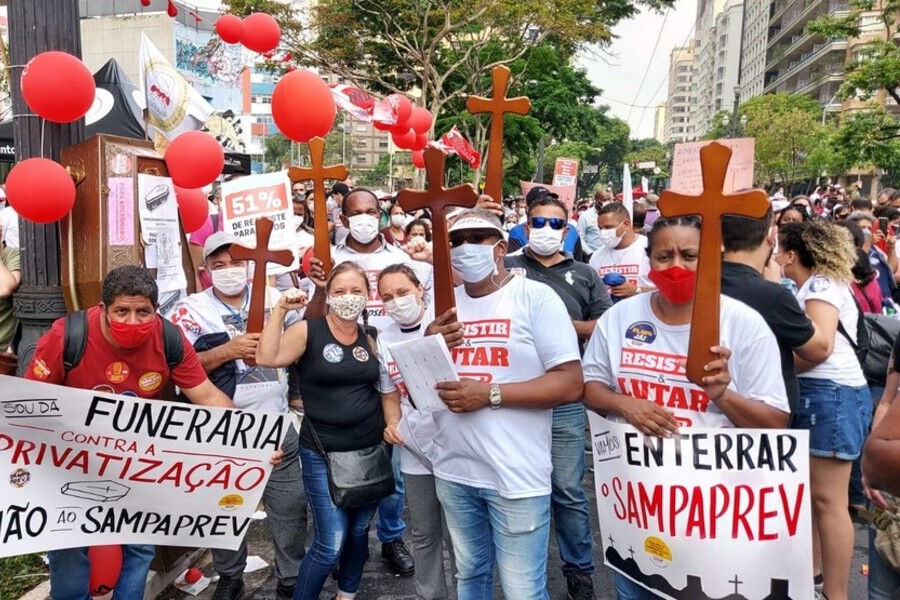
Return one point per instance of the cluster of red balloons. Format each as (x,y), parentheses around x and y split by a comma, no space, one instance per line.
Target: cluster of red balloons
(194,159)
(258,32)
(302,106)
(410,131)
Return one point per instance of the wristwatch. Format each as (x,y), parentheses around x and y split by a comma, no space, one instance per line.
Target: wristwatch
(495,398)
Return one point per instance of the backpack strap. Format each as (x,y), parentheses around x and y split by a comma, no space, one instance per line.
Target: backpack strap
(74,339)
(173,344)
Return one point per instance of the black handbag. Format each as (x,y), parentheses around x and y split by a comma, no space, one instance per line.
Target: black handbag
(357,477)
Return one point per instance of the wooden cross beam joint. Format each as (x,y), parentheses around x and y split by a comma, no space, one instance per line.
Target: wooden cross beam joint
(711,205)
(261,256)
(497,106)
(317,172)
(438,198)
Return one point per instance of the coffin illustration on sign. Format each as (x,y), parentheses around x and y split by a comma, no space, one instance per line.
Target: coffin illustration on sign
(779,588)
(157,197)
(96,491)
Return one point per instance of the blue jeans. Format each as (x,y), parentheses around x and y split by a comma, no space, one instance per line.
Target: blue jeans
(883,580)
(70,572)
(571,515)
(484,525)
(390,525)
(339,534)
(626,589)
(856,494)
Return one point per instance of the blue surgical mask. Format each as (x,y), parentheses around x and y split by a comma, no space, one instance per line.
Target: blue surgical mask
(474,262)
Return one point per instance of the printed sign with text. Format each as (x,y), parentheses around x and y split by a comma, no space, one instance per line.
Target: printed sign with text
(687,177)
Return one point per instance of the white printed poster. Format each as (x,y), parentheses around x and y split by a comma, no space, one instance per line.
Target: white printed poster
(160,231)
(248,198)
(80,467)
(709,513)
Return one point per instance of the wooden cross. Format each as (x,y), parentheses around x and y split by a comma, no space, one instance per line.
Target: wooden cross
(261,256)
(710,205)
(318,173)
(438,198)
(497,106)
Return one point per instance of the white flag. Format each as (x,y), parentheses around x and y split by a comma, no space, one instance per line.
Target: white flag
(627,191)
(645,185)
(173,106)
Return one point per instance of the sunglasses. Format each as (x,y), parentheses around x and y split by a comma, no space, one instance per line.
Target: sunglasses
(540,222)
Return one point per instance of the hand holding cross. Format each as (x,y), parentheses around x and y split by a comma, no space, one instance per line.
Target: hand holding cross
(710,205)
(261,256)
(318,173)
(438,198)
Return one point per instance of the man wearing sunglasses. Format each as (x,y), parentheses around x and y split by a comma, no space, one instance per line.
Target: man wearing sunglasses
(585,297)
(571,241)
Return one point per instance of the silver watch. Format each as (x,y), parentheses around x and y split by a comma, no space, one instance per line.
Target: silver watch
(495,398)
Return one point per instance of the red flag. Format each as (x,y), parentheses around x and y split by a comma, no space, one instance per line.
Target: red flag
(462,147)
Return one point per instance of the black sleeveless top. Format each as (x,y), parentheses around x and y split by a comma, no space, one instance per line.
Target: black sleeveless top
(338,386)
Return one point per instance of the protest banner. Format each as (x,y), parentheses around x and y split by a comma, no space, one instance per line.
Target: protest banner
(687,176)
(566,193)
(87,468)
(565,171)
(707,513)
(246,198)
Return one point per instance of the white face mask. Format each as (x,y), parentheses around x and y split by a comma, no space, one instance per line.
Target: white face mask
(405,310)
(230,281)
(398,220)
(609,238)
(545,241)
(347,306)
(473,262)
(363,228)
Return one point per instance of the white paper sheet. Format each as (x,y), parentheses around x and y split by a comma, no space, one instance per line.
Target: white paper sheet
(422,363)
(158,212)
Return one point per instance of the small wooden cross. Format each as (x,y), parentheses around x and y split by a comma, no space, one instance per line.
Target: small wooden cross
(438,198)
(318,173)
(498,105)
(710,205)
(261,256)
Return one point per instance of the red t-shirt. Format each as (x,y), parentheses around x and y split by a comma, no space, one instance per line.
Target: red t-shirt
(142,372)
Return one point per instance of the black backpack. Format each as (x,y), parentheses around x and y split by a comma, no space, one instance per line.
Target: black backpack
(75,341)
(875,338)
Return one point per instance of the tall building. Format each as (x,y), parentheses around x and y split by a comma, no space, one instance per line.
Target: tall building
(756,36)
(659,123)
(717,52)
(727,56)
(678,125)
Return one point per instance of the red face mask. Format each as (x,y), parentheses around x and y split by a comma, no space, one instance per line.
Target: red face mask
(131,335)
(676,284)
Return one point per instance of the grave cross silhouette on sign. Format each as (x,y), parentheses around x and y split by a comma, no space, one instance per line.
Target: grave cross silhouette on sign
(711,205)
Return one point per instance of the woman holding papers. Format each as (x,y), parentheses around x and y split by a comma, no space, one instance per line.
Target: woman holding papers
(413,430)
(343,389)
(634,362)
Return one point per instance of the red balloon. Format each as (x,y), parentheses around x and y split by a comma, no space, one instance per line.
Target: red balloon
(40,190)
(420,120)
(194,159)
(405,141)
(420,143)
(58,86)
(230,28)
(172,9)
(401,107)
(193,575)
(261,33)
(192,207)
(106,565)
(418,159)
(302,106)
(381,126)
(146,2)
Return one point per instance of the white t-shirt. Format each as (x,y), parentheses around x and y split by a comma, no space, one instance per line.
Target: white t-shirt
(842,366)
(636,354)
(258,388)
(416,427)
(513,335)
(631,262)
(373,263)
(9,222)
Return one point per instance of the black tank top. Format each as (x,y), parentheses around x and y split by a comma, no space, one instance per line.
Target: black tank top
(338,386)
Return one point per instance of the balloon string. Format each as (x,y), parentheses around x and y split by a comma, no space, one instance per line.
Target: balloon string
(43,126)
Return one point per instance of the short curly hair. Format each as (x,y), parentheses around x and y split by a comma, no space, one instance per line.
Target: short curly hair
(824,248)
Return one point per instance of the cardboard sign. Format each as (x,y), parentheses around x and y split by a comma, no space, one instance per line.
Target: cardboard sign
(687,176)
(566,193)
(565,171)
(81,467)
(710,513)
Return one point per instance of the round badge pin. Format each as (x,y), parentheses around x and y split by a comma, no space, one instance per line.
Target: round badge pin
(333,353)
(360,354)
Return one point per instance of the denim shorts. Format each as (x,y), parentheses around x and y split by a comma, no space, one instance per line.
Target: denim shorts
(836,416)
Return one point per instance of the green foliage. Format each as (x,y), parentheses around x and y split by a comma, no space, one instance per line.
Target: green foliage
(18,574)
(377,176)
(868,138)
(281,154)
(648,149)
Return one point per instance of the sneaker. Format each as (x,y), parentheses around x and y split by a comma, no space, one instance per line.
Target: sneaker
(283,592)
(580,586)
(818,583)
(229,588)
(398,557)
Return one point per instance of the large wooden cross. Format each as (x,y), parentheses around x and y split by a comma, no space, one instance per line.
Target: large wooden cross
(261,256)
(438,198)
(318,173)
(710,205)
(497,106)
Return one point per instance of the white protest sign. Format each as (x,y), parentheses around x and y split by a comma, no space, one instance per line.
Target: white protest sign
(709,513)
(687,177)
(160,231)
(84,468)
(245,199)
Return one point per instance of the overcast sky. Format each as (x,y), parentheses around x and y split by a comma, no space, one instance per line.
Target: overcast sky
(619,71)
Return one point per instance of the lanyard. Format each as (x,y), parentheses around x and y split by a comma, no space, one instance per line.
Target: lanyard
(238,315)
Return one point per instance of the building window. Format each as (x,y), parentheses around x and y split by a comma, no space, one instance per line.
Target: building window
(361,159)
(869,24)
(262,100)
(383,144)
(362,127)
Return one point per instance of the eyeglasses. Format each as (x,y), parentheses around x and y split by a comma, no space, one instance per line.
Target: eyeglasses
(540,222)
